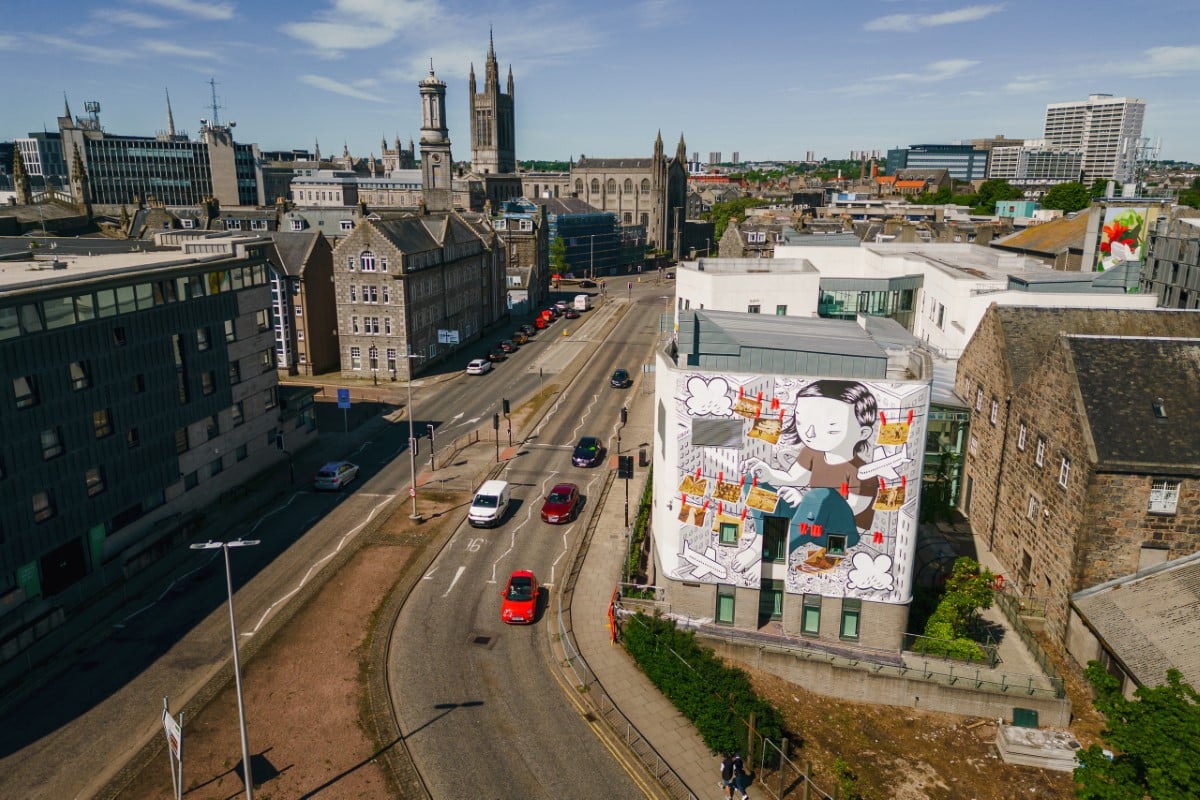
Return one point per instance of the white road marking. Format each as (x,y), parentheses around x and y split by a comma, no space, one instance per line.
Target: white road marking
(457,575)
(429,574)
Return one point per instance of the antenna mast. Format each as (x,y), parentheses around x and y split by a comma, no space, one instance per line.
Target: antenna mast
(216,117)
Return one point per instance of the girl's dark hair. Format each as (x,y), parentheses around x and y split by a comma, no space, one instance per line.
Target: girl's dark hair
(852,393)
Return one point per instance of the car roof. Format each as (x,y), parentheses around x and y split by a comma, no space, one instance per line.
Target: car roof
(492,487)
(334,464)
(589,440)
(564,487)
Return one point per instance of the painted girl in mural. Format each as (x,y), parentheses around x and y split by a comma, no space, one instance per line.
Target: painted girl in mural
(824,444)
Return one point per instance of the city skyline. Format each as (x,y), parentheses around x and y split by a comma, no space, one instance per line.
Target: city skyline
(784,79)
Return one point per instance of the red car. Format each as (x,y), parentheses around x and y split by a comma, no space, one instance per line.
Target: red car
(518,601)
(562,504)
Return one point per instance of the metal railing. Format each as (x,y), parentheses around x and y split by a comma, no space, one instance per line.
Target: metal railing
(986,652)
(1013,609)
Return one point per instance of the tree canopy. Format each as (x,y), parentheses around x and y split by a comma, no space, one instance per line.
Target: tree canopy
(1154,736)
(1067,197)
(558,255)
(1191,196)
(721,213)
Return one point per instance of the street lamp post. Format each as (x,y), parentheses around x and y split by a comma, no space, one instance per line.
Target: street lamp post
(237,666)
(412,441)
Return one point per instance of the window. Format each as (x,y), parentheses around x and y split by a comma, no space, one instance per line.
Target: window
(43,506)
(383,263)
(781,311)
(212,427)
(81,375)
(269,399)
(346,224)
(725,601)
(297,225)
(233,224)
(595,186)
(356,357)
(1164,497)
(138,384)
(215,466)
(102,423)
(995,412)
(753,309)
(52,443)
(1022,432)
(353,293)
(1064,471)
(374,324)
(208,382)
(385,294)
(238,416)
(94,480)
(25,388)
(387,325)
(350,263)
(242,453)
(132,438)
(230,331)
(837,545)
(729,532)
(979,399)
(371,294)
(1039,457)
(181,440)
(354,324)
(264,359)
(187,222)
(258,225)
(810,621)
(366,261)
(774,540)
(299,311)
(851,612)
(262,319)
(203,340)
(118,336)
(1031,509)
(235,372)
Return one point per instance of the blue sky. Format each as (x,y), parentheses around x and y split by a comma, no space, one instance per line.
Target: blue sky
(769,79)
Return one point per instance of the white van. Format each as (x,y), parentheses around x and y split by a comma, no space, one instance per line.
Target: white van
(490,504)
(583,302)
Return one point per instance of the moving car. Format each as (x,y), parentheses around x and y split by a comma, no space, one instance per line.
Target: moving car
(479,366)
(335,475)
(571,313)
(588,452)
(620,379)
(586,284)
(508,345)
(583,302)
(518,601)
(562,504)
(489,505)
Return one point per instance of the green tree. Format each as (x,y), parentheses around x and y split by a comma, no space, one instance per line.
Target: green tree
(558,255)
(992,191)
(968,591)
(721,213)
(1099,187)
(1067,197)
(1191,196)
(1155,735)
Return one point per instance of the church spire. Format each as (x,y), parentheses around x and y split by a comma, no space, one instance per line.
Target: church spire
(170,116)
(681,151)
(66,107)
(491,77)
(510,81)
(658,146)
(471,82)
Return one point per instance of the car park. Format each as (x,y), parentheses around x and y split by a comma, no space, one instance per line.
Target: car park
(588,452)
(571,313)
(519,337)
(620,379)
(335,475)
(562,504)
(508,345)
(518,601)
(479,366)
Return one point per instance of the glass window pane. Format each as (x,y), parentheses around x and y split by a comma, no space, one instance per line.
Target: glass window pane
(144,295)
(31,318)
(725,608)
(8,324)
(126,300)
(849,624)
(85,307)
(812,620)
(106,302)
(59,312)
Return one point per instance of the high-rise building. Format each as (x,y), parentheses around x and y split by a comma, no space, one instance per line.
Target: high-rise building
(737,157)
(493,141)
(714,157)
(1033,164)
(1104,128)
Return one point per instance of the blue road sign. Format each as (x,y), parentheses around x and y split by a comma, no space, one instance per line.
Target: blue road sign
(343,398)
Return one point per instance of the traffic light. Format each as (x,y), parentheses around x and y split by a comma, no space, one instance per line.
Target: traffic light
(495,422)
(625,467)
(505,402)
(624,415)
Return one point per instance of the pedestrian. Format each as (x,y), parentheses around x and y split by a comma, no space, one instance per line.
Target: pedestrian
(726,781)
(740,779)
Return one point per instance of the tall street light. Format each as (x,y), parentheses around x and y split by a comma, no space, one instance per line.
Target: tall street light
(237,666)
(412,441)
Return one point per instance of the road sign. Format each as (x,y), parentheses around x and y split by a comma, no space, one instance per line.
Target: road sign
(343,398)
(412,491)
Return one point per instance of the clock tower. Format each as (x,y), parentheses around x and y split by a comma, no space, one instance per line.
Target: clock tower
(437,168)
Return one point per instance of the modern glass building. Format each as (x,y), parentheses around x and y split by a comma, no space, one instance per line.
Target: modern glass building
(964,161)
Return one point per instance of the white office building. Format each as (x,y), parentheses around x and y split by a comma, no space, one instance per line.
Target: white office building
(1105,128)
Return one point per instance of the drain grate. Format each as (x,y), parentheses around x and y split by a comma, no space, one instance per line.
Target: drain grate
(482,641)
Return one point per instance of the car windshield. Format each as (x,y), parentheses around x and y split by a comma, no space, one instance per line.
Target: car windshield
(485,501)
(559,497)
(520,589)
(620,374)
(327,473)
(587,445)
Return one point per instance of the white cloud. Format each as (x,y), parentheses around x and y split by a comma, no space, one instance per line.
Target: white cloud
(129,18)
(931,73)
(362,24)
(172,49)
(88,52)
(8,42)
(1028,83)
(341,87)
(914,22)
(1168,61)
(201,9)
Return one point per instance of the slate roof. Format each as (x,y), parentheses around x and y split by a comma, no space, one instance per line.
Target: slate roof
(614,163)
(1048,238)
(1120,380)
(1150,620)
(1029,332)
(418,233)
(292,249)
(569,205)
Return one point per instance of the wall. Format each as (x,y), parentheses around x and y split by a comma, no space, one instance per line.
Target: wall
(725,289)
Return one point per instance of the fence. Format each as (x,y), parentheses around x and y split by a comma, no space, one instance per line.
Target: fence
(988,653)
(1013,608)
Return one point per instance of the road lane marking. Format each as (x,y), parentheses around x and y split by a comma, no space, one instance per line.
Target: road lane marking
(457,575)
(429,574)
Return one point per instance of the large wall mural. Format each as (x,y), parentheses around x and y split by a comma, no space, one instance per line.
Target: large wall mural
(821,475)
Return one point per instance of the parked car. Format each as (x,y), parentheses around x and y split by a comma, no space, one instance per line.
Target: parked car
(508,345)
(479,366)
(496,354)
(571,313)
(529,330)
(562,504)
(335,475)
(588,452)
(519,337)
(518,601)
(620,379)
(560,305)
(586,284)
(540,323)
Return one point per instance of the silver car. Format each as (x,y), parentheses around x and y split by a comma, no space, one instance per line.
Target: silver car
(335,475)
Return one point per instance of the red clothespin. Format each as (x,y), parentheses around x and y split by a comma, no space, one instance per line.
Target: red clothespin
(903,481)
(774,403)
(720,477)
(742,482)
(817,530)
(744,510)
(707,500)
(882,484)
(697,473)
(803,529)
(844,489)
(882,418)
(910,416)
(878,537)
(754,482)
(759,398)
(781,416)
(683,498)
(741,392)
(758,412)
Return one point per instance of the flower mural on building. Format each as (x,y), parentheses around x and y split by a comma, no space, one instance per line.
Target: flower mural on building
(1122,238)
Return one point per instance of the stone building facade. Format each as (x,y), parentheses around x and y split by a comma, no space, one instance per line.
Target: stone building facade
(1172,268)
(1066,452)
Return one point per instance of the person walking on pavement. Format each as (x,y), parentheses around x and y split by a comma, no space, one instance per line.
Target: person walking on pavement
(726,781)
(739,776)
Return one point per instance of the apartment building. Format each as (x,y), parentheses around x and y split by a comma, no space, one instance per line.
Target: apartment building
(1104,128)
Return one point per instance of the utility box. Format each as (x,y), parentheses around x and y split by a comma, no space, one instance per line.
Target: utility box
(643,458)
(1025,717)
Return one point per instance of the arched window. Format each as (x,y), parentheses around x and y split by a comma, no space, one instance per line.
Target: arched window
(595,186)
(612,186)
(579,185)
(645,186)
(366,261)
(628,186)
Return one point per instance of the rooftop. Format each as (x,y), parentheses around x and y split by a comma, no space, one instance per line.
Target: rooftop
(744,266)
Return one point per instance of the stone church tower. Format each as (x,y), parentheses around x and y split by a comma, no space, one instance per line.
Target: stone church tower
(493,125)
(437,170)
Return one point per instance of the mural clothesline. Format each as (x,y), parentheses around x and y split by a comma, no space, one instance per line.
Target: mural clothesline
(827,481)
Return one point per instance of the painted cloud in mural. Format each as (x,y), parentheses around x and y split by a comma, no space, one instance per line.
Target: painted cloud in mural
(803,481)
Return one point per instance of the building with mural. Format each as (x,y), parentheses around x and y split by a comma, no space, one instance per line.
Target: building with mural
(788,460)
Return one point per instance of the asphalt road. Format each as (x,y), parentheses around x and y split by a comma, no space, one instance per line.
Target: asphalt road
(479,703)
